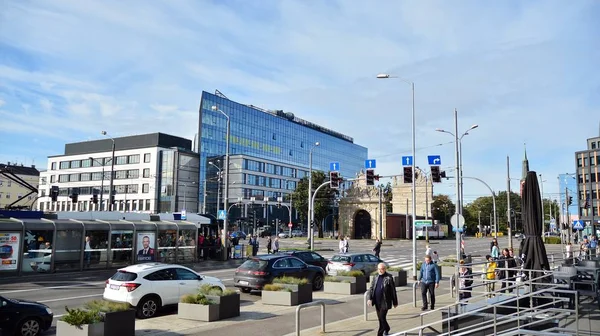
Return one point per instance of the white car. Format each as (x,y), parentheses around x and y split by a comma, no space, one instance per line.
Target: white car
(149,286)
(284,235)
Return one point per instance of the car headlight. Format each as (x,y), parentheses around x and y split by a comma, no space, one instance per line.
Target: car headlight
(49,311)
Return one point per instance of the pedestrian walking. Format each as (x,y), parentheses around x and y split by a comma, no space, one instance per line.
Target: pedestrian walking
(276,245)
(427,250)
(435,257)
(382,295)
(269,242)
(377,248)
(466,281)
(489,275)
(346,244)
(341,244)
(495,250)
(429,278)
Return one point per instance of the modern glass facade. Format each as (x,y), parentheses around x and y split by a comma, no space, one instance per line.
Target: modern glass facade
(272,136)
(568,182)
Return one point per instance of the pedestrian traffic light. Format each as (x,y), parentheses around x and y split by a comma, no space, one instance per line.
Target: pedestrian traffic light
(408,174)
(370,177)
(95,196)
(570,200)
(54,193)
(74,195)
(435,174)
(334,180)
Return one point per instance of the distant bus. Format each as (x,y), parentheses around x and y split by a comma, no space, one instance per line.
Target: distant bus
(439,231)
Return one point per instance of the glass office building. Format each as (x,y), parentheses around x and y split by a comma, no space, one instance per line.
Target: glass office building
(273,149)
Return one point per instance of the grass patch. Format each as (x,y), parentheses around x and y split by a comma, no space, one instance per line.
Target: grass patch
(332,279)
(552,240)
(287,280)
(350,273)
(207,289)
(104,306)
(276,288)
(196,299)
(78,317)
(449,260)
(395,269)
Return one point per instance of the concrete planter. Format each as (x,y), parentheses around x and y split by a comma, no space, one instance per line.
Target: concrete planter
(229,305)
(280,298)
(120,323)
(305,292)
(198,312)
(399,279)
(65,329)
(339,287)
(360,283)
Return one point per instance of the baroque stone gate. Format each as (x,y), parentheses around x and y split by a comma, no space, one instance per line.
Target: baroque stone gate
(359,211)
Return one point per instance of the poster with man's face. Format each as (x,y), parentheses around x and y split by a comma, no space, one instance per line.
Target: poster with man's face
(145,247)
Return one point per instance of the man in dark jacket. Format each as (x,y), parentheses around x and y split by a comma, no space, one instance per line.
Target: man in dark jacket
(382,295)
(429,277)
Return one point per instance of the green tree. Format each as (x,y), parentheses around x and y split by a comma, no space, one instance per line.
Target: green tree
(484,207)
(387,195)
(323,200)
(442,208)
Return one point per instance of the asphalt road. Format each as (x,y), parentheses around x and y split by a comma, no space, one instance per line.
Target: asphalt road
(74,289)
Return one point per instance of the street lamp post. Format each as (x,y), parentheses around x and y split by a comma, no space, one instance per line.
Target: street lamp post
(111,195)
(414,192)
(309,229)
(226,196)
(101,183)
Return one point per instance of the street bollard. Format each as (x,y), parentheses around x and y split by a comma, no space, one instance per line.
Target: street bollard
(366,298)
(415,294)
(452,284)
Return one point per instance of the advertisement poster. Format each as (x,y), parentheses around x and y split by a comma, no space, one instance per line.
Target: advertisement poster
(145,247)
(10,243)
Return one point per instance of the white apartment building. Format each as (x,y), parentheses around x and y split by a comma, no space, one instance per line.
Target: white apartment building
(152,173)
(14,192)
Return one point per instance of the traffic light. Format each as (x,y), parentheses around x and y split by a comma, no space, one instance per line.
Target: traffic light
(74,195)
(95,196)
(443,174)
(334,180)
(370,177)
(435,174)
(54,193)
(408,172)
(570,200)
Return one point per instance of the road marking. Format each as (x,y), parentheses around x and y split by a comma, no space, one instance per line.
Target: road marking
(53,287)
(70,298)
(227,279)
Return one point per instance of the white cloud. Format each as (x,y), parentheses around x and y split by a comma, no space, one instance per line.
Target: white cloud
(523,71)
(2,102)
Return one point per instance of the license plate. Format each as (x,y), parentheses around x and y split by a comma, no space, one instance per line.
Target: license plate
(115,287)
(245,283)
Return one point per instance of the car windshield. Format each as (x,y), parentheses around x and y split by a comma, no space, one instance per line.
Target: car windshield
(340,258)
(254,264)
(124,276)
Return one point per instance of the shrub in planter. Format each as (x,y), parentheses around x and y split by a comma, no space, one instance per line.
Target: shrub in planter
(228,300)
(279,294)
(119,318)
(352,282)
(357,277)
(302,286)
(197,307)
(80,322)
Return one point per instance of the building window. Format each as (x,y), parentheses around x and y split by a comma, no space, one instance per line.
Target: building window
(96,176)
(7,195)
(97,162)
(9,183)
(121,174)
(134,159)
(52,179)
(86,176)
(147,158)
(121,160)
(63,178)
(64,165)
(145,188)
(73,177)
(593,145)
(53,166)
(75,163)
(86,163)
(133,173)
(146,172)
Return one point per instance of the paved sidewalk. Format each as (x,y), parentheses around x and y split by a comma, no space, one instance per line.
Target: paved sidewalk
(402,318)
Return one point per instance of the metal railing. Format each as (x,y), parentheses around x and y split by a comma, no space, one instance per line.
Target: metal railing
(311,304)
(524,316)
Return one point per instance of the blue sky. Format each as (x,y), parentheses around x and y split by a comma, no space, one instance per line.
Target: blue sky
(524,71)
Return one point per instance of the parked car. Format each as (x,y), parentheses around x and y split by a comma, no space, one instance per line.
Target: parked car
(363,262)
(309,257)
(260,270)
(150,286)
(298,233)
(238,235)
(284,235)
(24,318)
